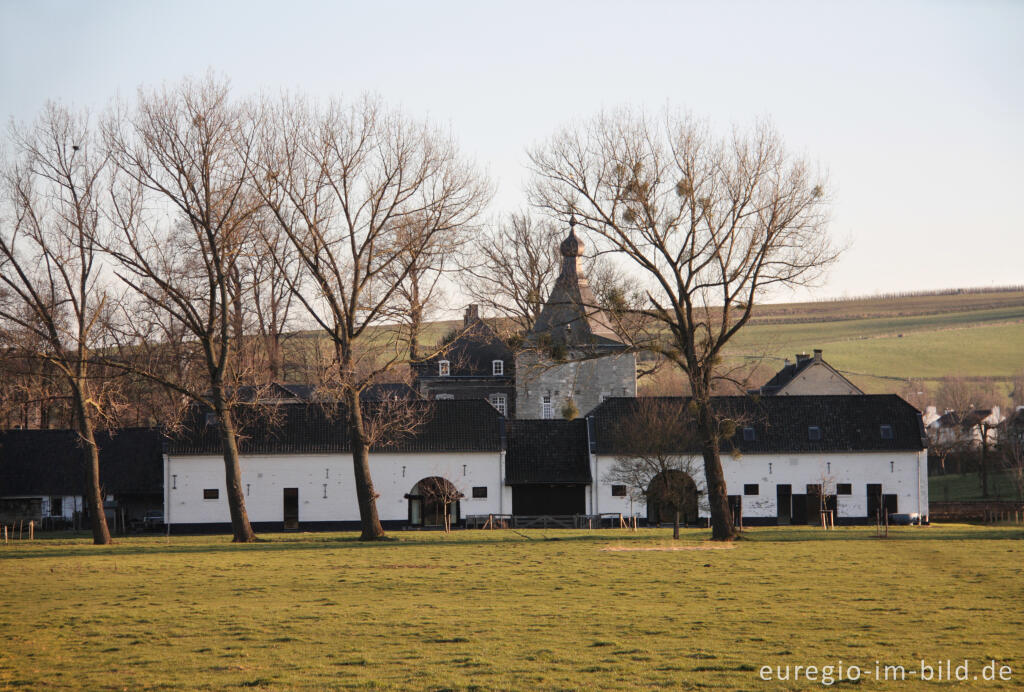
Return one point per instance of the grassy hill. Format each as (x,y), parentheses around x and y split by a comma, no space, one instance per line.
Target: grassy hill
(880,343)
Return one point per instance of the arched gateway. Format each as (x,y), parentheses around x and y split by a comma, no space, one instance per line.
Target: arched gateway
(431,499)
(668,491)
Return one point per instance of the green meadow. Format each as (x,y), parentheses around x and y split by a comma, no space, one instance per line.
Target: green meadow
(530,610)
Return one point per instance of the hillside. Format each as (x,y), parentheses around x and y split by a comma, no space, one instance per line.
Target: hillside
(882,342)
(879,343)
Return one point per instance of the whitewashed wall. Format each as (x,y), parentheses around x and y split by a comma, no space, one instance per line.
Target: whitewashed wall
(901,473)
(264,478)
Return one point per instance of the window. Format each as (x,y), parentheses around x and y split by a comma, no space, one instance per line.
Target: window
(813,432)
(618,491)
(444,368)
(444,397)
(500,402)
(886,432)
(211,493)
(56,507)
(479,491)
(546,410)
(844,489)
(749,435)
(497,367)
(210,418)
(751,489)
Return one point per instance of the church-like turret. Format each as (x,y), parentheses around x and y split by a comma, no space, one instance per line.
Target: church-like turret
(572,359)
(570,315)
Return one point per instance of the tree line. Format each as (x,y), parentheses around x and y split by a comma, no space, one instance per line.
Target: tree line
(174,251)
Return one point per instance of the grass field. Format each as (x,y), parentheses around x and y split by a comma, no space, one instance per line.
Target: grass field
(505,610)
(967,487)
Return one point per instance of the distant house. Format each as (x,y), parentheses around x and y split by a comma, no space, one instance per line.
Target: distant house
(43,477)
(809,374)
(963,429)
(475,364)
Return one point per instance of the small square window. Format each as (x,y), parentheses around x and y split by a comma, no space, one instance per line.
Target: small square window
(749,435)
(479,491)
(210,418)
(444,368)
(497,367)
(751,489)
(211,493)
(886,432)
(618,491)
(844,489)
(813,432)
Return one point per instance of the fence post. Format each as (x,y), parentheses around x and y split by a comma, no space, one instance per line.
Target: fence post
(31,530)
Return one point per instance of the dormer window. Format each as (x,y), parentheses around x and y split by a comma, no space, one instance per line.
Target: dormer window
(813,432)
(444,368)
(497,367)
(749,435)
(886,432)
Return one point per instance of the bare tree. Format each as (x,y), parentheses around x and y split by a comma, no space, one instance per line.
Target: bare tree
(182,211)
(1011,450)
(345,184)
(711,225)
(968,424)
(511,268)
(53,299)
(660,466)
(438,491)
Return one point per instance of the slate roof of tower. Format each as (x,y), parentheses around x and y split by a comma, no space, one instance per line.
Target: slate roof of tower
(570,315)
(547,451)
(445,426)
(51,462)
(848,423)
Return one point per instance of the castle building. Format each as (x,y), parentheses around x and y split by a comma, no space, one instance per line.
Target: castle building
(571,360)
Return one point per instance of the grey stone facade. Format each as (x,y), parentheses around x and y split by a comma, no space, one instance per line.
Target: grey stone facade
(586,382)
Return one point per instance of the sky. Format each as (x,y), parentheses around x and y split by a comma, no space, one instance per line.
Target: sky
(915,109)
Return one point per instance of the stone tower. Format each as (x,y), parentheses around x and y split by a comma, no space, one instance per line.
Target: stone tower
(571,353)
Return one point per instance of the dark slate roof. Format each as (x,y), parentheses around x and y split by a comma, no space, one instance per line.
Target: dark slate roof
(301,393)
(848,423)
(570,315)
(446,426)
(471,354)
(50,462)
(547,451)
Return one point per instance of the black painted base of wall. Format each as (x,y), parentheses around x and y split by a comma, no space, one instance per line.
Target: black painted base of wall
(278,527)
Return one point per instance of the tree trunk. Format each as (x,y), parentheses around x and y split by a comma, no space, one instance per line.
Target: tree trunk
(365,494)
(241,530)
(94,494)
(675,526)
(718,497)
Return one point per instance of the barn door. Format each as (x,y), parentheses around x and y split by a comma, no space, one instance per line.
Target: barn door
(291,508)
(784,503)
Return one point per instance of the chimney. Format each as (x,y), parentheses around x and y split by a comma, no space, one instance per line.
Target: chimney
(472,315)
(801,357)
(817,355)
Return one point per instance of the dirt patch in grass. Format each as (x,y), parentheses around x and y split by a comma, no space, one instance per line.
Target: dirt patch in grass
(666,548)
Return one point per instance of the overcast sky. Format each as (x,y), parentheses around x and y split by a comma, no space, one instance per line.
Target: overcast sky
(915,109)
